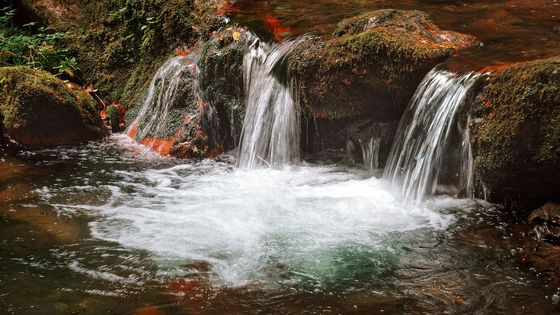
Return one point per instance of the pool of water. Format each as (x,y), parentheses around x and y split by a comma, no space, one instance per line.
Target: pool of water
(511,30)
(112,228)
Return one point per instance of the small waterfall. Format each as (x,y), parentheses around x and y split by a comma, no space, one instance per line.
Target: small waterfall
(424,133)
(370,154)
(168,90)
(270,134)
(467,164)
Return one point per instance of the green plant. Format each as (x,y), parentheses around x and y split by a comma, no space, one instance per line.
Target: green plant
(37,47)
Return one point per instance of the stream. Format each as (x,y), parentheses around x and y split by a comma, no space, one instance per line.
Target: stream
(113,228)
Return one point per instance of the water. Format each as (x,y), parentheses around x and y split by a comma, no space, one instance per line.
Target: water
(270,134)
(154,126)
(511,30)
(424,133)
(370,154)
(467,163)
(112,227)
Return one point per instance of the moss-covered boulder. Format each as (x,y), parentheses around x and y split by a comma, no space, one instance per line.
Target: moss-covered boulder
(366,74)
(61,15)
(373,64)
(517,133)
(221,65)
(39,110)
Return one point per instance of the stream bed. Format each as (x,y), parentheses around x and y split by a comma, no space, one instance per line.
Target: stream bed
(115,229)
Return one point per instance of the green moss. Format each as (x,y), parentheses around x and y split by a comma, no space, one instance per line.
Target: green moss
(39,109)
(122,43)
(520,130)
(374,64)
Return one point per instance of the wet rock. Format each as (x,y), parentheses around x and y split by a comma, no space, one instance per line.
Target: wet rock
(516,134)
(38,110)
(546,223)
(373,64)
(370,69)
(541,254)
(222,76)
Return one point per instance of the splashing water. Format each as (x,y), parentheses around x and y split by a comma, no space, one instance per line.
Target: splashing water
(424,133)
(270,134)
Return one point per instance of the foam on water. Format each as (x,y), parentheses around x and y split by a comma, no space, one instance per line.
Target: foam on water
(257,226)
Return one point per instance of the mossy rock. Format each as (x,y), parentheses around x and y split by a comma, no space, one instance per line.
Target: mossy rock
(39,110)
(221,65)
(373,64)
(517,133)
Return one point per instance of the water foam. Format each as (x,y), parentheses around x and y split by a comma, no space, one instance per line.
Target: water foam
(260,225)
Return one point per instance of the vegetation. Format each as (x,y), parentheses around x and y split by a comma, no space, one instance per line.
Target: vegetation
(37,47)
(40,110)
(518,138)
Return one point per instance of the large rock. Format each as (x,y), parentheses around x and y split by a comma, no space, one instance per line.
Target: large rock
(202,116)
(39,110)
(366,73)
(58,14)
(517,134)
(222,77)
(373,65)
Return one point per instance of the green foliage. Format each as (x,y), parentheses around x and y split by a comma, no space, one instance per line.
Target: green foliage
(37,47)
(113,113)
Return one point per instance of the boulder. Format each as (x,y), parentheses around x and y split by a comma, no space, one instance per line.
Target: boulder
(366,74)
(222,77)
(516,134)
(39,110)
(373,64)
(61,15)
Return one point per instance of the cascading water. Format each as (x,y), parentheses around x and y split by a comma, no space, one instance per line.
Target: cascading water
(270,134)
(370,154)
(424,133)
(170,82)
(467,163)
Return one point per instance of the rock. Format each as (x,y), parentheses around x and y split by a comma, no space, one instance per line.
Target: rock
(546,223)
(39,110)
(222,77)
(373,65)
(541,254)
(516,134)
(369,70)
(61,15)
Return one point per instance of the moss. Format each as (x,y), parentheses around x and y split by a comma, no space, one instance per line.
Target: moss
(374,64)
(113,114)
(39,109)
(518,136)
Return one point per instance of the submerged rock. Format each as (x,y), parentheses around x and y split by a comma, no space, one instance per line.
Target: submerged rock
(546,223)
(369,70)
(516,134)
(541,254)
(39,110)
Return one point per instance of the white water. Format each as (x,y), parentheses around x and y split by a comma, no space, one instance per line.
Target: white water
(254,226)
(167,85)
(370,154)
(424,132)
(270,134)
(467,163)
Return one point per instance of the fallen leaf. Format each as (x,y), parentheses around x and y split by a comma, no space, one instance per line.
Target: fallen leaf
(236,36)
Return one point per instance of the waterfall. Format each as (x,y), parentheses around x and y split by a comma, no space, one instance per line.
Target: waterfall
(172,87)
(424,133)
(270,134)
(467,163)
(370,154)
